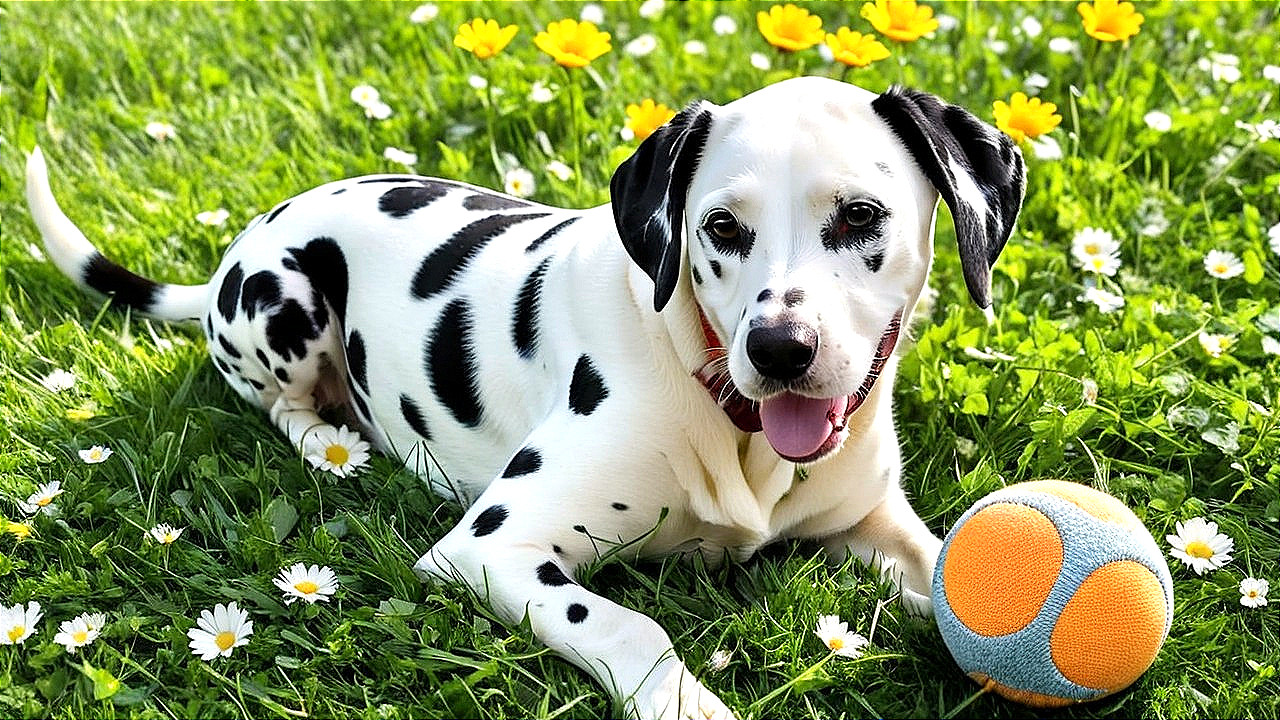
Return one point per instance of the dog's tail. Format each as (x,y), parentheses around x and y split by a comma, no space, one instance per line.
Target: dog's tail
(90,269)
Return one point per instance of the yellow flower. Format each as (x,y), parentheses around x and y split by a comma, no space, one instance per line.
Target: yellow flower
(854,48)
(1021,118)
(789,27)
(21,531)
(1109,20)
(80,414)
(573,44)
(483,38)
(901,20)
(646,117)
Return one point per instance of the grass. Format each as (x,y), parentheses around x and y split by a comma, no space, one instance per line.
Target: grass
(259,98)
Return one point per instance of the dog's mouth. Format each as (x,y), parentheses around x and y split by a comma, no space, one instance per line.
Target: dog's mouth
(805,429)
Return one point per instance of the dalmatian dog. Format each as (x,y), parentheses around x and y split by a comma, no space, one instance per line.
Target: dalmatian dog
(705,364)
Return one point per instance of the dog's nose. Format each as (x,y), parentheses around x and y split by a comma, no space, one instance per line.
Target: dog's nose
(782,351)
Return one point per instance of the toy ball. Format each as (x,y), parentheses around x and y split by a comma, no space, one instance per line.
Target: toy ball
(1052,593)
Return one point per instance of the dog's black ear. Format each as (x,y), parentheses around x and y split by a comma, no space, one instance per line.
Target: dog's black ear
(648,192)
(977,170)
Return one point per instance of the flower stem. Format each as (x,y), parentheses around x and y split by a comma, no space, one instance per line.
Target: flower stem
(489,119)
(574,100)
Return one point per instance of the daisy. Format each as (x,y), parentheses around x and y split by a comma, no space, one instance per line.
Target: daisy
(1270,345)
(1089,391)
(1273,238)
(42,499)
(1046,148)
(1253,592)
(559,170)
(1200,546)
(306,583)
(592,13)
(719,660)
(1223,264)
(1031,27)
(1096,250)
(1215,344)
(160,131)
(365,95)
(60,379)
(224,628)
(695,47)
(519,182)
(724,25)
(213,217)
(1272,73)
(1105,301)
(94,621)
(165,534)
(540,93)
(424,13)
(641,46)
(378,111)
(1063,46)
(396,155)
(95,454)
(650,9)
(338,450)
(1222,67)
(18,624)
(1035,81)
(1158,121)
(834,633)
(477,82)
(760,61)
(75,634)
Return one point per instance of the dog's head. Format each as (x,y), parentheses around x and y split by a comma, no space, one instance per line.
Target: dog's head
(804,214)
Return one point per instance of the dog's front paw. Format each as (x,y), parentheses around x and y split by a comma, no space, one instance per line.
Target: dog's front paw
(678,696)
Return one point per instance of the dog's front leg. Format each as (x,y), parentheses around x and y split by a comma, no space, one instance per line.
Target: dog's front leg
(893,538)
(510,551)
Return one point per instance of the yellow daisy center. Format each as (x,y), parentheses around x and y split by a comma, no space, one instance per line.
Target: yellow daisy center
(1220,268)
(16,632)
(306,587)
(44,501)
(1092,248)
(836,643)
(80,636)
(337,454)
(224,639)
(1199,549)
(1253,593)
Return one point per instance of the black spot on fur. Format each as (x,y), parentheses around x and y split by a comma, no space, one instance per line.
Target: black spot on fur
(551,575)
(446,262)
(362,408)
(339,191)
(123,287)
(537,243)
(579,529)
(413,415)
(715,267)
(793,297)
(485,201)
(576,613)
(489,520)
(402,201)
(262,357)
(222,365)
(528,460)
(764,295)
(524,322)
(556,549)
(697,276)
(288,330)
(276,212)
(229,293)
(619,506)
(208,324)
(399,179)
(356,360)
(261,290)
(451,366)
(256,385)
(228,347)
(324,264)
(874,262)
(282,374)
(290,264)
(586,389)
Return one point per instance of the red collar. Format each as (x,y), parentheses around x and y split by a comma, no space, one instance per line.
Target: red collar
(714,376)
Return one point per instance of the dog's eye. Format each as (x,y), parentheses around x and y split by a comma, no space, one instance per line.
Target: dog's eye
(861,215)
(721,225)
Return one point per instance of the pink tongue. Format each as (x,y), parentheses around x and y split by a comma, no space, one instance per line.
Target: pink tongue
(797,426)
